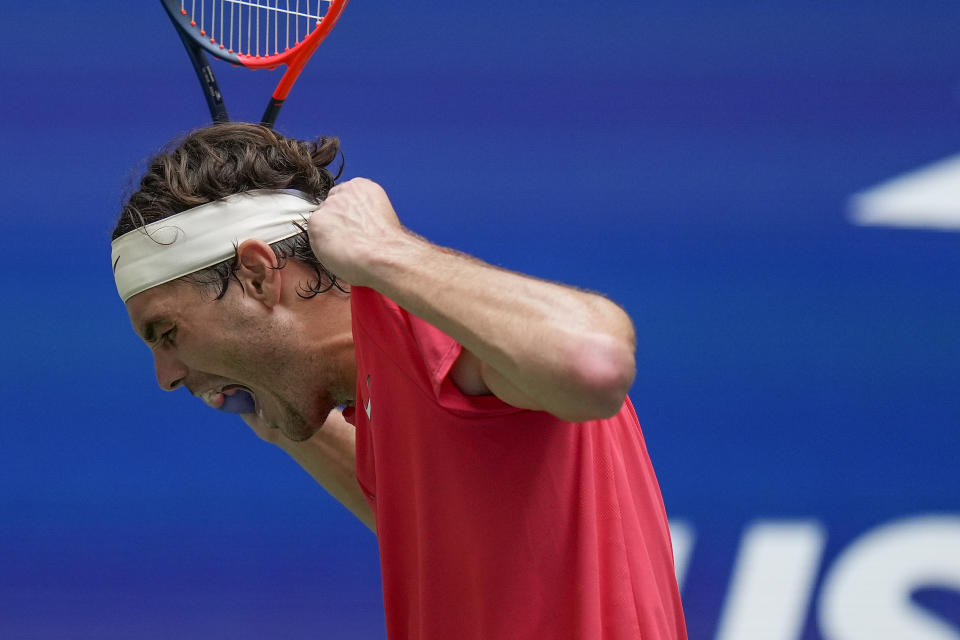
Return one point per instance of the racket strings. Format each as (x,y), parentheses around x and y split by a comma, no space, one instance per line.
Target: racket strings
(255,27)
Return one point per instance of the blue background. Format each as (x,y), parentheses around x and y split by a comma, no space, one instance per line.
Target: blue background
(692,162)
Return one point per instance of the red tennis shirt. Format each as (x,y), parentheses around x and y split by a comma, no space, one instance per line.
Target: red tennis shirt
(497,523)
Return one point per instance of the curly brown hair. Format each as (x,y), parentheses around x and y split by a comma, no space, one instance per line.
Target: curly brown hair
(228,158)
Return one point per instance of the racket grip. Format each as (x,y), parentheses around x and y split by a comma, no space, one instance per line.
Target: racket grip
(270,113)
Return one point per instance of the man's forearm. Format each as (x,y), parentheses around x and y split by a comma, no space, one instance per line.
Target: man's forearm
(570,350)
(330,458)
(566,351)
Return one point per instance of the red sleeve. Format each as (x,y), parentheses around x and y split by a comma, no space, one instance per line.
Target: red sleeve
(437,350)
(418,348)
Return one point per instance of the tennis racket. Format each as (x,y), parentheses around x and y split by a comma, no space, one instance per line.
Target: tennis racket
(256,34)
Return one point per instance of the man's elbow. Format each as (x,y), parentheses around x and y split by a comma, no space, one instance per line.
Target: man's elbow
(605,367)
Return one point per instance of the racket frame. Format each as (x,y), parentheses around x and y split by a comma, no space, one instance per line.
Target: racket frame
(295,58)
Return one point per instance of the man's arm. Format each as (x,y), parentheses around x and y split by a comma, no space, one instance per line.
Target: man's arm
(534,344)
(329,456)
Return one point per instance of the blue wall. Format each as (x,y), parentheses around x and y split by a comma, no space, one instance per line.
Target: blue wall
(797,375)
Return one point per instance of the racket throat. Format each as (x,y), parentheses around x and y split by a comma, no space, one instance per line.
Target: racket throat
(208,81)
(271,112)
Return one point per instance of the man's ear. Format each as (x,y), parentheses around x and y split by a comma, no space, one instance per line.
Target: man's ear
(258,273)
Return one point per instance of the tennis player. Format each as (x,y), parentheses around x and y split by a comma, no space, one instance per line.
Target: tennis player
(486,436)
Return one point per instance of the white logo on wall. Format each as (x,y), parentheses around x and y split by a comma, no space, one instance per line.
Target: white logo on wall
(928,198)
(866,591)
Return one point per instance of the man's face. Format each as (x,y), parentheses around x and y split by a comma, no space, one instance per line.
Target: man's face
(295,358)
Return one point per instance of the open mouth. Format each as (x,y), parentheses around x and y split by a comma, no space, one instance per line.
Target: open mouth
(233,398)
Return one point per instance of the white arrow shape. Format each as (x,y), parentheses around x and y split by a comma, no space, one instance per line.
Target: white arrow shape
(928,198)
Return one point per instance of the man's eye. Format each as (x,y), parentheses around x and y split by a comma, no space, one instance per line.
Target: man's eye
(168,337)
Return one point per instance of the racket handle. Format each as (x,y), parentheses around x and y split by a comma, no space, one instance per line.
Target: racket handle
(270,113)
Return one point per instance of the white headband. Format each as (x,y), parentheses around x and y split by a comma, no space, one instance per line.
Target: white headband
(204,236)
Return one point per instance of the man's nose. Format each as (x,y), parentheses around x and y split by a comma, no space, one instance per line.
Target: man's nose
(170,371)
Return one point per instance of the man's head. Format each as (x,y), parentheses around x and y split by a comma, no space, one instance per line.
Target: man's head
(214,163)
(269,334)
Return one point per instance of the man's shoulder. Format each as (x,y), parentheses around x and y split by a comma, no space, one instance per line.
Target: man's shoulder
(383,329)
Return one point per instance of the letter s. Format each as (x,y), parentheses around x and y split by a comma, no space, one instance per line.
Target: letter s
(866,594)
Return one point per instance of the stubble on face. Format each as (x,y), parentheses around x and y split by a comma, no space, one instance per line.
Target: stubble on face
(297,362)
(306,369)
(329,385)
